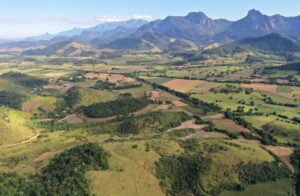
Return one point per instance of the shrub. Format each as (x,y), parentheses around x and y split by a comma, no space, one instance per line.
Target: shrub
(252,173)
(25,80)
(122,106)
(72,97)
(11,99)
(65,175)
(181,175)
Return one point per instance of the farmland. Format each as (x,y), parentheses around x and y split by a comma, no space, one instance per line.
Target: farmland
(153,123)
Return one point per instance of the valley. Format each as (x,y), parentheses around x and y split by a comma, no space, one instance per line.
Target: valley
(206,111)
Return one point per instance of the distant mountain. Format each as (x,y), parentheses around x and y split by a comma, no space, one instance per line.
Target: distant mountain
(106,32)
(270,43)
(102,30)
(196,27)
(130,43)
(256,24)
(191,32)
(89,33)
(63,49)
(111,35)
(200,30)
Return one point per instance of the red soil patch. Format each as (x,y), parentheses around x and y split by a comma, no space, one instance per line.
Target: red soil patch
(161,107)
(230,124)
(188,125)
(200,134)
(296,90)
(43,156)
(71,119)
(30,106)
(214,116)
(179,103)
(182,85)
(284,153)
(153,95)
(261,87)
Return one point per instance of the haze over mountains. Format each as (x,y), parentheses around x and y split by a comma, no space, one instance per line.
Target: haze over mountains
(190,32)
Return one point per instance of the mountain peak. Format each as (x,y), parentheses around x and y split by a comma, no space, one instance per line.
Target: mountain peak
(197,17)
(254,12)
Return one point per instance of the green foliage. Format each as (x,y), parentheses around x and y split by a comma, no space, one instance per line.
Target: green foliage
(252,173)
(25,80)
(122,106)
(190,145)
(65,175)
(153,121)
(14,185)
(11,99)
(128,126)
(295,160)
(112,86)
(72,97)
(227,89)
(181,175)
(181,133)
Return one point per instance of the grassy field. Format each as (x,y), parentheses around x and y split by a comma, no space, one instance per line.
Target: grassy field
(14,126)
(170,126)
(280,188)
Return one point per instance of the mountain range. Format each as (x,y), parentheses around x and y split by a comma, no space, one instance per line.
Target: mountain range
(274,42)
(191,32)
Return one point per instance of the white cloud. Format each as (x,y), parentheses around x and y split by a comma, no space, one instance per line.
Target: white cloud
(74,21)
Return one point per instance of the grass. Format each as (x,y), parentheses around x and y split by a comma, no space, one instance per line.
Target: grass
(13,126)
(90,96)
(133,157)
(47,103)
(284,132)
(158,80)
(225,155)
(136,92)
(280,188)
(130,173)
(284,89)
(234,100)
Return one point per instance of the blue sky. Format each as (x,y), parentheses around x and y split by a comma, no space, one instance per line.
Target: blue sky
(22,18)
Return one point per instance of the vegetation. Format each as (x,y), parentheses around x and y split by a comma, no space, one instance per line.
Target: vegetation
(153,121)
(122,106)
(255,173)
(173,120)
(72,97)
(65,175)
(113,86)
(295,160)
(66,172)
(11,99)
(181,175)
(25,80)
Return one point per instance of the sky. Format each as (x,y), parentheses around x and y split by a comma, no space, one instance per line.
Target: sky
(24,18)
